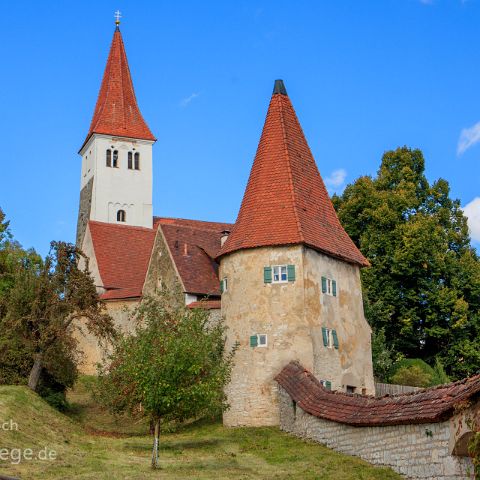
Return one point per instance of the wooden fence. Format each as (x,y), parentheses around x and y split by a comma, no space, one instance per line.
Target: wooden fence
(390,389)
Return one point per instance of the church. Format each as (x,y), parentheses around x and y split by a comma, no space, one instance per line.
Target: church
(285,276)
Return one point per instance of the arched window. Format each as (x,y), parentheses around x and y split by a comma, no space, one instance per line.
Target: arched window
(109,158)
(121,216)
(130,162)
(137,161)
(115,158)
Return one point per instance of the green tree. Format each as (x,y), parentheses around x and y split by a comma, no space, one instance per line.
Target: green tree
(381,356)
(423,286)
(45,305)
(173,368)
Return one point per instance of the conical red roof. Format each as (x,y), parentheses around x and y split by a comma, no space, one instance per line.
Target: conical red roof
(286,201)
(116,112)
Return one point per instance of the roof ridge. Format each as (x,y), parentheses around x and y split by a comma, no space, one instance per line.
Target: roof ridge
(117,225)
(289,165)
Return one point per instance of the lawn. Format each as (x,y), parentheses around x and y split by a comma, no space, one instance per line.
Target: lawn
(91,444)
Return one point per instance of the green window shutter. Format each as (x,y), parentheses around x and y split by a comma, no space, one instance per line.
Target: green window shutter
(324,285)
(291,273)
(334,288)
(267,274)
(221,286)
(253,341)
(335,339)
(328,385)
(325,336)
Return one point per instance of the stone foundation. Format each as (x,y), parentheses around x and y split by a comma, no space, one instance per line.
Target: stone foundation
(417,451)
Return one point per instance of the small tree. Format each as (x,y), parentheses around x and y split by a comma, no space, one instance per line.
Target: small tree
(413,376)
(173,368)
(45,302)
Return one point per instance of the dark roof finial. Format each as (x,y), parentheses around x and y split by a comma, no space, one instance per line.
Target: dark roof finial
(279,87)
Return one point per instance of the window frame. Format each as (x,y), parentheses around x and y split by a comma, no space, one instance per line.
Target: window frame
(108,158)
(136,161)
(280,273)
(130,161)
(121,214)
(115,159)
(259,343)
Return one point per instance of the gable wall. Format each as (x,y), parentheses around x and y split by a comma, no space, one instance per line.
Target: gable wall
(161,273)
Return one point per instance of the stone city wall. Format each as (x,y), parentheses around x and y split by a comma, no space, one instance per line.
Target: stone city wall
(417,451)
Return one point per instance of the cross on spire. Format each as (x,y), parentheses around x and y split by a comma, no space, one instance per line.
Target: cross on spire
(118,16)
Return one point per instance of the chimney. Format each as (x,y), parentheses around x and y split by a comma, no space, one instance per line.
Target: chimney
(224,237)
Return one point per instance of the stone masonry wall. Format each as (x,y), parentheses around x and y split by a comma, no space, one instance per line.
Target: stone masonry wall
(161,273)
(418,451)
(84,211)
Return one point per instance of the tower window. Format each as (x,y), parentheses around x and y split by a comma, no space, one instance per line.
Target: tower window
(109,158)
(115,159)
(121,216)
(137,161)
(130,160)
(329,286)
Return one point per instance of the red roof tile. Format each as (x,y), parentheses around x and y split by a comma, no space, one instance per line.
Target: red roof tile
(116,112)
(123,254)
(206,304)
(194,246)
(425,406)
(286,201)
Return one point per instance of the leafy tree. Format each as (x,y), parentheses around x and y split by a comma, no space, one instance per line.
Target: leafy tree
(423,286)
(45,304)
(173,368)
(381,355)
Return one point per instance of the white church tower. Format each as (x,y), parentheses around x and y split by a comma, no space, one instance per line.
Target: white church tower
(116,181)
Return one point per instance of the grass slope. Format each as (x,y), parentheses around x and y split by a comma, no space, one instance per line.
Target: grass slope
(198,451)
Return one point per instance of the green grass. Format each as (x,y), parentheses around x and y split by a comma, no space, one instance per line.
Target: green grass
(198,451)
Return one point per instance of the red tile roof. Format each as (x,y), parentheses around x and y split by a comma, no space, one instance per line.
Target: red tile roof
(123,254)
(206,304)
(116,112)
(286,201)
(194,246)
(425,406)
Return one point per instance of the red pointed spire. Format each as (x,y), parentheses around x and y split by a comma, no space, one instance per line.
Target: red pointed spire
(286,201)
(116,112)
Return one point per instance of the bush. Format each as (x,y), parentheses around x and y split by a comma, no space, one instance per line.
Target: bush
(423,375)
(413,376)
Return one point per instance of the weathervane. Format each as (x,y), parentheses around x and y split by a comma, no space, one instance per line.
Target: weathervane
(118,16)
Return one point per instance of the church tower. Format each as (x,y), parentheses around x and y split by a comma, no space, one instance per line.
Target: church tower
(116,181)
(291,278)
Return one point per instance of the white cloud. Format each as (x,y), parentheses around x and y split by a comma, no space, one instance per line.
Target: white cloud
(186,101)
(468,138)
(336,180)
(472,212)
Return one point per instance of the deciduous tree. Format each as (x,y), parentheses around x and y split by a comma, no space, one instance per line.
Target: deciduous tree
(423,287)
(173,368)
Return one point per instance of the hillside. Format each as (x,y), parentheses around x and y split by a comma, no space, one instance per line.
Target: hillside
(196,452)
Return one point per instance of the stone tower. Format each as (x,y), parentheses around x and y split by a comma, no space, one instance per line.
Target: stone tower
(116,181)
(291,278)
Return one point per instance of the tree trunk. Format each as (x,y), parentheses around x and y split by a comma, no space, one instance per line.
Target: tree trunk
(36,371)
(156,443)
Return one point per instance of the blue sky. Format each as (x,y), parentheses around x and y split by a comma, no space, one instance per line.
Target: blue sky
(364,77)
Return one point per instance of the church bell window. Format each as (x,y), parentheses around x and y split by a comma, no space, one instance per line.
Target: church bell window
(121,216)
(109,158)
(115,159)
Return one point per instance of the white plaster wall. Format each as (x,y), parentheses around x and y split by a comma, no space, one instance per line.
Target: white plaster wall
(119,188)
